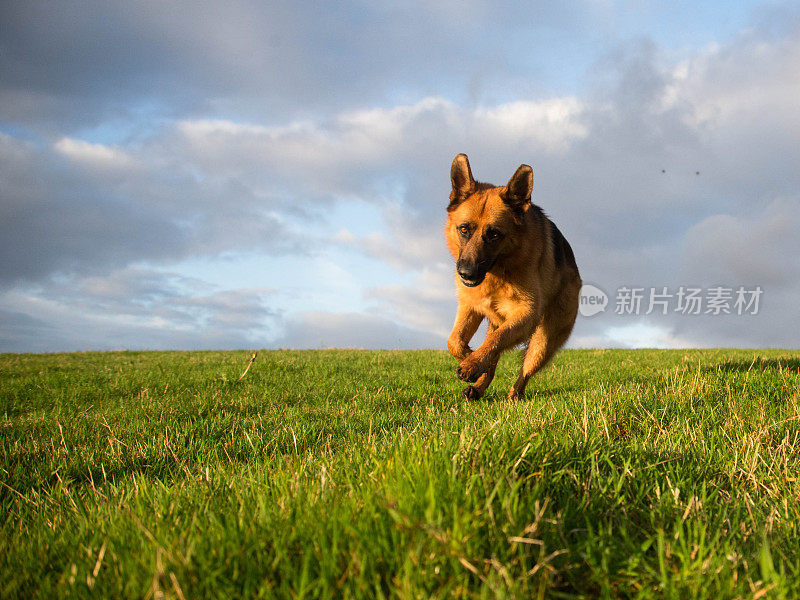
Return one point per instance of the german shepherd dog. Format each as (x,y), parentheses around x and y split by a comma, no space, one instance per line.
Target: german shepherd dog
(513,268)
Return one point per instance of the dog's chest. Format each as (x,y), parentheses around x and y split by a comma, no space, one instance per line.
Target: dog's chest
(498,308)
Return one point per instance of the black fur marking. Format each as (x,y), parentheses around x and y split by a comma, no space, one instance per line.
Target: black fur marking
(562,251)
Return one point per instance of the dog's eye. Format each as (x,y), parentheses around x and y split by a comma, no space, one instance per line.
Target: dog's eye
(492,234)
(463,229)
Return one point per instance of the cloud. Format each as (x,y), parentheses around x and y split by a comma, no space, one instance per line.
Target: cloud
(55,218)
(761,248)
(643,335)
(355,151)
(20,332)
(321,329)
(552,124)
(92,62)
(78,207)
(139,308)
(93,155)
(135,308)
(427,304)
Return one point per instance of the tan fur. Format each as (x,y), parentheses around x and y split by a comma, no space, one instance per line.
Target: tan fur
(528,296)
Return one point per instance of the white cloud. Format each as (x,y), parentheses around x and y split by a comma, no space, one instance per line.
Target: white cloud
(551,124)
(93,155)
(741,82)
(356,143)
(644,335)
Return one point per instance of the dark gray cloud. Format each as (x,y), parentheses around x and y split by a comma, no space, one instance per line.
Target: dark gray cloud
(53,218)
(75,207)
(89,62)
(19,332)
(760,247)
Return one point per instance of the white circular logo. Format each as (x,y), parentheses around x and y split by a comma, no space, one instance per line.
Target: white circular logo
(593,300)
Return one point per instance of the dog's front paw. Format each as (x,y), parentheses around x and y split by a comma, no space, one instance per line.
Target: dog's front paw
(470,369)
(514,395)
(471,393)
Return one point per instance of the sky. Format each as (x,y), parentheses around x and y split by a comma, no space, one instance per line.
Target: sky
(192,175)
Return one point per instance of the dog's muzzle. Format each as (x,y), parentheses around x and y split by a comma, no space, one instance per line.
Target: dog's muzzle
(471,275)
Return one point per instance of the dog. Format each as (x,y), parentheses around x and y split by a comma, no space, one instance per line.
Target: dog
(513,268)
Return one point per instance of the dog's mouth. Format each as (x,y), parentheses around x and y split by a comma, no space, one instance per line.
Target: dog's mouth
(475,276)
(473,282)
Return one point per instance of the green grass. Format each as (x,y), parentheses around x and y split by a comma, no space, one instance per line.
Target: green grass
(357,474)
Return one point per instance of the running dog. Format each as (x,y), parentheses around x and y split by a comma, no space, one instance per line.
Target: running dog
(513,268)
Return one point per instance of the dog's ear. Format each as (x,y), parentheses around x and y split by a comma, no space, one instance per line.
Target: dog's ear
(519,188)
(461,178)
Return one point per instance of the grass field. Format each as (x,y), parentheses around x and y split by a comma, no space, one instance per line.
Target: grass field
(359,474)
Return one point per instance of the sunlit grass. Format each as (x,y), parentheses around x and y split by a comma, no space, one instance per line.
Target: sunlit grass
(364,474)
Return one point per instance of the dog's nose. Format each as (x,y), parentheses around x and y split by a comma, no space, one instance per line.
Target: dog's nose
(465,271)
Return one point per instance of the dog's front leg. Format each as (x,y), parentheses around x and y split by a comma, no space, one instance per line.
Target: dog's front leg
(517,328)
(478,389)
(467,322)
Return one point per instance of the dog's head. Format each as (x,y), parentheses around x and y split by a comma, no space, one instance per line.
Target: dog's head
(484,221)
